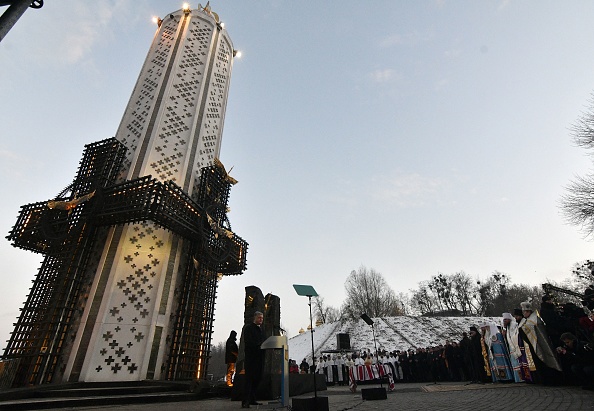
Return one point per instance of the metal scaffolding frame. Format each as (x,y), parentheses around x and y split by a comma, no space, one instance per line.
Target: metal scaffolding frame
(65,231)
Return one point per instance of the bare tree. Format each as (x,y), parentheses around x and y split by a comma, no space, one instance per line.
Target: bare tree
(464,290)
(494,289)
(444,288)
(511,297)
(583,274)
(368,292)
(454,293)
(578,203)
(404,303)
(325,313)
(457,294)
(333,314)
(424,301)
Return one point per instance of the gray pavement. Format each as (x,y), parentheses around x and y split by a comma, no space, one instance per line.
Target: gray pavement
(410,397)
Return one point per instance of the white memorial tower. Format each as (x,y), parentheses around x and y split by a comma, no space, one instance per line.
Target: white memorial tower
(172,128)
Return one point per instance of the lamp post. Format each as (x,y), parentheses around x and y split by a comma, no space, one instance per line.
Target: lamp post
(14,12)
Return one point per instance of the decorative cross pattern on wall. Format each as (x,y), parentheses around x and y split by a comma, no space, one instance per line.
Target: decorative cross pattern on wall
(175,127)
(127,322)
(181,123)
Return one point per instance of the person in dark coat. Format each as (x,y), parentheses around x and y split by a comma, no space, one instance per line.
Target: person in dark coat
(466,348)
(304,366)
(253,337)
(404,363)
(477,361)
(231,352)
(577,359)
(555,324)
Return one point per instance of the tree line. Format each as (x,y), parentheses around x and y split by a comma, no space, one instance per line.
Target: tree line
(456,294)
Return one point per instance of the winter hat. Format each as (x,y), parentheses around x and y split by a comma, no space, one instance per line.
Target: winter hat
(507,316)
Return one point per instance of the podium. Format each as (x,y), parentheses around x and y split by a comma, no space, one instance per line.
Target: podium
(279,342)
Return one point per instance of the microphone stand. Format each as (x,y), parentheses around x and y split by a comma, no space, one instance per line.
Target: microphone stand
(313,357)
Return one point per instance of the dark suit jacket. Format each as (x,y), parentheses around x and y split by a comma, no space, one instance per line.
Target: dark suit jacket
(253,337)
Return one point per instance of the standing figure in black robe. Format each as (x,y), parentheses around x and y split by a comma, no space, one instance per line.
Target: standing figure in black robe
(231,352)
(254,359)
(477,361)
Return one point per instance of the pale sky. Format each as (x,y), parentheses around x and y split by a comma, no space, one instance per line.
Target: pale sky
(412,137)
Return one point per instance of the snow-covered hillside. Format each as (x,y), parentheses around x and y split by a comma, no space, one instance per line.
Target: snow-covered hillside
(391,333)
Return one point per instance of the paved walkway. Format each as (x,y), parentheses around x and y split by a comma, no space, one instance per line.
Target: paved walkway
(410,397)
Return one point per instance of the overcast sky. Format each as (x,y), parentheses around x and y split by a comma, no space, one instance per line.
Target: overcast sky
(412,137)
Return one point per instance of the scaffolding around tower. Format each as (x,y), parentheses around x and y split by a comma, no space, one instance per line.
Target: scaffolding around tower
(66,238)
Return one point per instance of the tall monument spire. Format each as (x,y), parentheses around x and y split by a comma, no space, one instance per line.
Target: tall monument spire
(174,121)
(149,236)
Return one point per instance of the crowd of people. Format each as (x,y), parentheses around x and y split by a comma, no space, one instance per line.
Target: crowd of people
(551,347)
